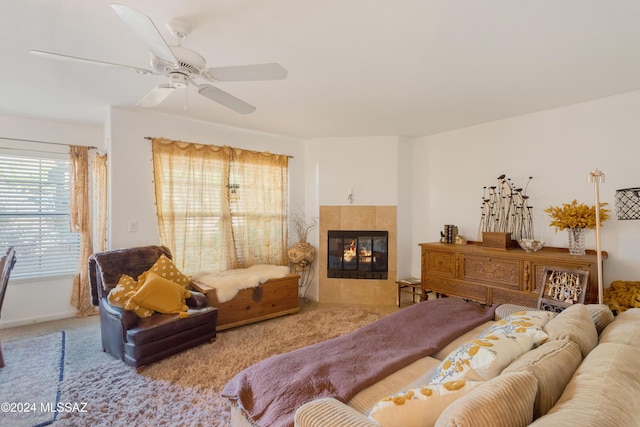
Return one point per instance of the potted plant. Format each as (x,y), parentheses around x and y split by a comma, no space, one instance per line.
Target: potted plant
(302,253)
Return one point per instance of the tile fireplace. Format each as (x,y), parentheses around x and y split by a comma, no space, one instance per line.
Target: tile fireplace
(347,290)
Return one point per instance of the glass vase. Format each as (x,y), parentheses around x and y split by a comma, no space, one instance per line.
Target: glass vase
(576,241)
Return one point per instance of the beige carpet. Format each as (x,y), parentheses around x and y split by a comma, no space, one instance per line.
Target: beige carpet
(184,389)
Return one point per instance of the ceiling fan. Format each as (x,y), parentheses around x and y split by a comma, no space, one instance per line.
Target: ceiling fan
(181,65)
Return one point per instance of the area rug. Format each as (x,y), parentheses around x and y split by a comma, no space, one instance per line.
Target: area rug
(184,389)
(30,380)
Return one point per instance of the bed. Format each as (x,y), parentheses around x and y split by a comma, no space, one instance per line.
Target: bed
(250,295)
(269,392)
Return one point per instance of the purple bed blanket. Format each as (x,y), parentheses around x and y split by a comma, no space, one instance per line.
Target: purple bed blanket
(271,390)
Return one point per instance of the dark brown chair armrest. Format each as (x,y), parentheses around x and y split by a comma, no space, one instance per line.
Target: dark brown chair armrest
(126,318)
(197,300)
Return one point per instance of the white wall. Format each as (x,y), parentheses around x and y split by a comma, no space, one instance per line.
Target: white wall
(433,180)
(366,163)
(377,168)
(37,300)
(558,148)
(131,170)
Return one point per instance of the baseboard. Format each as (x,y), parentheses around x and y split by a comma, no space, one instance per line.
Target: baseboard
(33,320)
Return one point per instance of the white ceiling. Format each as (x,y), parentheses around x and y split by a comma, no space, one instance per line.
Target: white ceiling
(355,67)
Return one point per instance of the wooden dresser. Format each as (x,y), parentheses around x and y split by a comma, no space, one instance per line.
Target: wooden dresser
(493,276)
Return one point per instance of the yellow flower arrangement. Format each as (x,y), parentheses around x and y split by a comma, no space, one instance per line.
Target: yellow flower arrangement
(576,215)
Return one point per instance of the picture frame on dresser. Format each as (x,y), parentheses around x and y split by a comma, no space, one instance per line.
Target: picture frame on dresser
(561,288)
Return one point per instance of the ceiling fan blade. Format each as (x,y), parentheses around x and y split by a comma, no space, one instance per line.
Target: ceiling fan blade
(226,99)
(156,95)
(241,73)
(144,29)
(61,57)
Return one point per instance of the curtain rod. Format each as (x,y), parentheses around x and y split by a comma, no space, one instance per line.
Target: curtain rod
(43,142)
(150,138)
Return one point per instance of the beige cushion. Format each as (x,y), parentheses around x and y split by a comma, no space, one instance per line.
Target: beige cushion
(322,413)
(553,365)
(482,358)
(603,391)
(576,324)
(505,401)
(601,315)
(625,329)
(504,310)
(419,407)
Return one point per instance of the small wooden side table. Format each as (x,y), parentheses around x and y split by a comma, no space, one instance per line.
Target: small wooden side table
(411,286)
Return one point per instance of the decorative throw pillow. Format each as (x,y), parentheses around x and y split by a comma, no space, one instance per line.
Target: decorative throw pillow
(121,294)
(553,365)
(483,358)
(601,315)
(523,322)
(161,295)
(576,324)
(624,330)
(165,268)
(124,289)
(419,407)
(504,401)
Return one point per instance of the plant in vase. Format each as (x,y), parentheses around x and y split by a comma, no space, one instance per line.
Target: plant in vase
(302,253)
(576,218)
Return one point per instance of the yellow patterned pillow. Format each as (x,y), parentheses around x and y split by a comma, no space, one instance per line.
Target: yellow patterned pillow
(161,295)
(523,322)
(483,358)
(165,268)
(122,293)
(419,407)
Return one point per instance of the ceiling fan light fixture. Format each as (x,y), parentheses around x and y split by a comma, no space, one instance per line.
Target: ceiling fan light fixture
(182,65)
(178,28)
(178,80)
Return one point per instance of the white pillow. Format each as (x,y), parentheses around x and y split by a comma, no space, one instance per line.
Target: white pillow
(527,322)
(483,358)
(419,407)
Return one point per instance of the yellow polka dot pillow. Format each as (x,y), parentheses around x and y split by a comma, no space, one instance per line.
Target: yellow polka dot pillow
(121,294)
(523,322)
(419,407)
(161,295)
(165,268)
(483,358)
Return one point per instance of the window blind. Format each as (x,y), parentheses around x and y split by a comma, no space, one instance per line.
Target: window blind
(34,213)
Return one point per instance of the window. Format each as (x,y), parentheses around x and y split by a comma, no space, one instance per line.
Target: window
(220,208)
(34,213)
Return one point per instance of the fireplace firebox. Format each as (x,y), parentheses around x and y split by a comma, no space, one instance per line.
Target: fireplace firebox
(358,254)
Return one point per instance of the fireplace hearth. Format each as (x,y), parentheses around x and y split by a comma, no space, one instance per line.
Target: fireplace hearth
(358,254)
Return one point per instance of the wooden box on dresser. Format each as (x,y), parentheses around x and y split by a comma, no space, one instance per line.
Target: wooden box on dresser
(498,276)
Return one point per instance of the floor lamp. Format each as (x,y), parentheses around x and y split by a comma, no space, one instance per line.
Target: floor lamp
(597,177)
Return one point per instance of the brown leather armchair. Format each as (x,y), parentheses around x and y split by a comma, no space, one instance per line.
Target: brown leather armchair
(138,341)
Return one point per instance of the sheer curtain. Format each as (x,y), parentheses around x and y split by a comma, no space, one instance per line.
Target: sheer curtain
(79,206)
(218,207)
(99,202)
(260,212)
